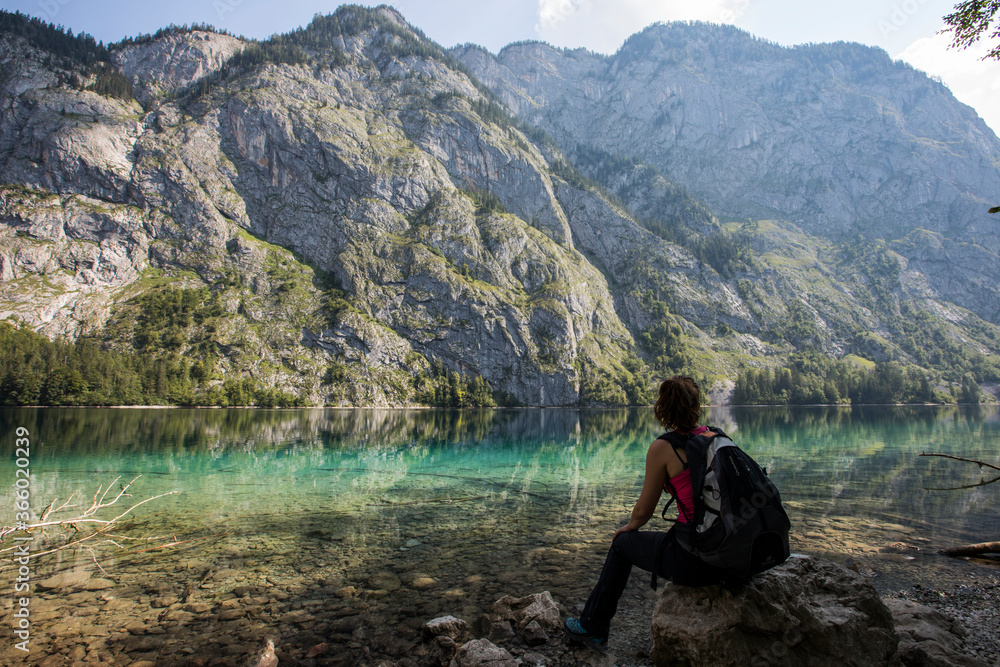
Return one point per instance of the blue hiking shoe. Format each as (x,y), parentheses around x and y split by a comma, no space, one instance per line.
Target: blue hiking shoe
(576,632)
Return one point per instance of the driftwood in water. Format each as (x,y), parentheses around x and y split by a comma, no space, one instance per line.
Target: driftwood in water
(973,549)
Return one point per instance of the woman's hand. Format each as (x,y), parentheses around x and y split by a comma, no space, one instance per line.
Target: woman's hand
(627,528)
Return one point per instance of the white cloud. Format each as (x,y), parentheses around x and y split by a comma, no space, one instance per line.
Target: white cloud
(973,81)
(602,25)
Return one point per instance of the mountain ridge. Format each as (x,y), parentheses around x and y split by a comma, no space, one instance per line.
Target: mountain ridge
(743,122)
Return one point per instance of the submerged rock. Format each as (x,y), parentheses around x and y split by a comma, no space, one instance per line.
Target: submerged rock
(422,582)
(268,658)
(69,579)
(386,581)
(98,584)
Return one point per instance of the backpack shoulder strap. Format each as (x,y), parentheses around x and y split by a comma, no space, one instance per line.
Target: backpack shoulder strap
(717,432)
(676,440)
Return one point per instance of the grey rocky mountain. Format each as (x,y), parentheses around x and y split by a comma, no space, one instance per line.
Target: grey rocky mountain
(367,213)
(838,139)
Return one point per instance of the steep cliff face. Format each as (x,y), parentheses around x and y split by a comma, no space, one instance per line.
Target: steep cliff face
(165,66)
(61,256)
(366,216)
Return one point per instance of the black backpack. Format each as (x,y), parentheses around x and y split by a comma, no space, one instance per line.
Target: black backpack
(739,524)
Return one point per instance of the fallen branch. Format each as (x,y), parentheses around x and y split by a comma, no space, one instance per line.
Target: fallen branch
(973,549)
(87,516)
(429,500)
(982,482)
(96,533)
(959,458)
(52,508)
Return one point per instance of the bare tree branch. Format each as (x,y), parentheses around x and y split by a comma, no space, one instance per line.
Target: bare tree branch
(959,458)
(982,482)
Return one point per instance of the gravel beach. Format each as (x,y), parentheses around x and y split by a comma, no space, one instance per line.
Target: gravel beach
(977,608)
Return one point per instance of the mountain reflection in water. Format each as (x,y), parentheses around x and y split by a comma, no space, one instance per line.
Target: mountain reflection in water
(410,514)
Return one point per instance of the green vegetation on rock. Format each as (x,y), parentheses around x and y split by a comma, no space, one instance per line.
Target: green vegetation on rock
(439,388)
(816,379)
(74,52)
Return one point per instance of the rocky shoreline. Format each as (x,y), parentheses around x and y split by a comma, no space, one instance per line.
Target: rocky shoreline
(332,594)
(948,627)
(85,618)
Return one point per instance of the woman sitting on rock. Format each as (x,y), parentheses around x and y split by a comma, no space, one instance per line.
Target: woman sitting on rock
(677,408)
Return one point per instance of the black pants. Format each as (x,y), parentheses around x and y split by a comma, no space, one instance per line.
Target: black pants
(640,549)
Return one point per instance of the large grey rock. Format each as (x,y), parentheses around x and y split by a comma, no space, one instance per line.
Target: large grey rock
(533,634)
(806,612)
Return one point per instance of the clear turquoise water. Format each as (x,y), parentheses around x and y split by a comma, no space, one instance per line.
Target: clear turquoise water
(461,507)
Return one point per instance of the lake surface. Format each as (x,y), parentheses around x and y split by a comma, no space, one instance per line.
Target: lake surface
(356,526)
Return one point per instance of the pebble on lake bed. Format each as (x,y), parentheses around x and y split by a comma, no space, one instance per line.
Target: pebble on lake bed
(70,579)
(422,582)
(384,581)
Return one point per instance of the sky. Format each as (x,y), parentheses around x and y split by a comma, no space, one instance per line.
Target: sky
(906,29)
